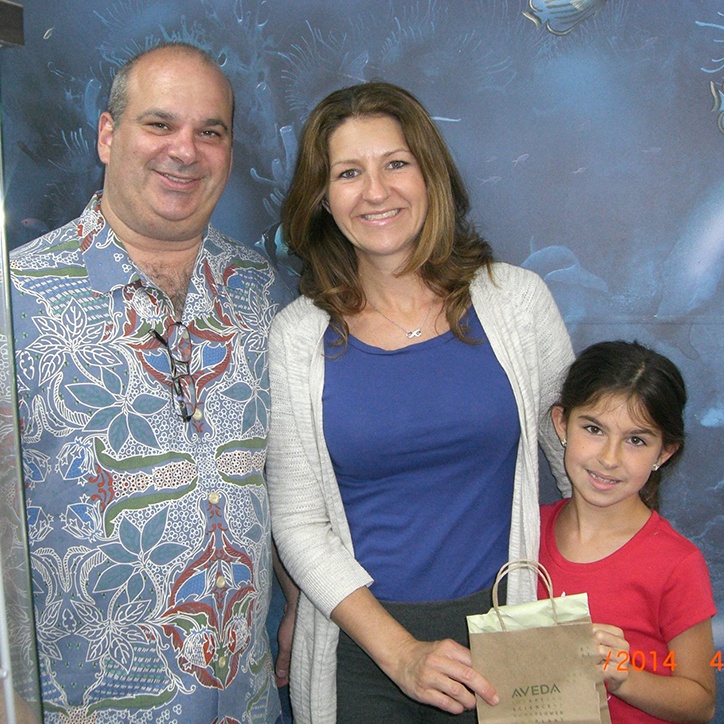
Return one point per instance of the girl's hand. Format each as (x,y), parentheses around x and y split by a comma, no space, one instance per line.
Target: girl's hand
(611,643)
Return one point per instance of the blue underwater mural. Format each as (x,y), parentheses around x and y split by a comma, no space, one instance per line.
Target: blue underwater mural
(590,134)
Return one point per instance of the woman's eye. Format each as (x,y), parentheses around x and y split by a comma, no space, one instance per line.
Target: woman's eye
(638,441)
(397,164)
(593,429)
(349,173)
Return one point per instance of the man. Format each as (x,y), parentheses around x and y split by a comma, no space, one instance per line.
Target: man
(141,342)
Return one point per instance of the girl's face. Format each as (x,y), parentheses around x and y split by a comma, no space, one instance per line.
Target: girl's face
(611,449)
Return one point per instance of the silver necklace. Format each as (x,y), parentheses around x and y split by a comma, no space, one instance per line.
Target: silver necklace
(409,333)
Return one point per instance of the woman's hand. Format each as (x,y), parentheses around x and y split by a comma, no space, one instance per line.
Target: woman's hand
(611,642)
(438,673)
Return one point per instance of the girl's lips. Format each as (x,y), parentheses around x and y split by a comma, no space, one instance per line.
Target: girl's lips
(603,479)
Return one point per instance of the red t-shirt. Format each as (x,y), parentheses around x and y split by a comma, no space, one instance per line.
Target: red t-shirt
(653,588)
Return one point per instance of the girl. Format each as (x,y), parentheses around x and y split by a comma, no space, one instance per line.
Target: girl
(619,420)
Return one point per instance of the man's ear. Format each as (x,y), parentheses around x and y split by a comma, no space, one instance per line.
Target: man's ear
(106,127)
(559,421)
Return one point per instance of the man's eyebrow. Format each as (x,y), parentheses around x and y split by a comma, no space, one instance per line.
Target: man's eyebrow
(166,116)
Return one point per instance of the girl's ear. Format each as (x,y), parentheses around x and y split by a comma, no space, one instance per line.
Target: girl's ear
(666,452)
(559,421)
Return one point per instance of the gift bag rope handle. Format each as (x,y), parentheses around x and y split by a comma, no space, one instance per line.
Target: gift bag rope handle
(542,572)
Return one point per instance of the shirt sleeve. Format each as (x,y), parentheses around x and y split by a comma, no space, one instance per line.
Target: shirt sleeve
(687,598)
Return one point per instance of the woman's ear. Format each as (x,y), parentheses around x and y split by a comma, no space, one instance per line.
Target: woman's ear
(559,421)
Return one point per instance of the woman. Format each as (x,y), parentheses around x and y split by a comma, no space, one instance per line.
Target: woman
(410,385)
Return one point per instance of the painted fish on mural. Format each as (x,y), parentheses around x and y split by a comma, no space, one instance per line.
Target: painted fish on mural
(561,16)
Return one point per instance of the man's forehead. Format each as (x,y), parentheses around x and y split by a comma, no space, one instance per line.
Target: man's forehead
(173,66)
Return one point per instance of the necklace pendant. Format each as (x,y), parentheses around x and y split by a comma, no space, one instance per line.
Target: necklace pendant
(414,333)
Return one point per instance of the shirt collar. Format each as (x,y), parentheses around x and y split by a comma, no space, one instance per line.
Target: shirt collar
(106,260)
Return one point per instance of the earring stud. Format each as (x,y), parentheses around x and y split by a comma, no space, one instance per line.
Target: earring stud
(564,442)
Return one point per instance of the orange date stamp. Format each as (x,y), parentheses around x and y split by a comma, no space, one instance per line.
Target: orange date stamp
(638,660)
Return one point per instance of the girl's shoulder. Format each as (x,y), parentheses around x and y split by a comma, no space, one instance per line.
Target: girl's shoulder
(666,538)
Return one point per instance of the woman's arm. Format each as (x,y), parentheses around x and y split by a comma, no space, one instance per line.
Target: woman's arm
(688,695)
(555,354)
(285,632)
(438,673)
(303,509)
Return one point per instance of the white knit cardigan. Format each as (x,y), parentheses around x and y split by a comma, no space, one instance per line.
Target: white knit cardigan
(527,334)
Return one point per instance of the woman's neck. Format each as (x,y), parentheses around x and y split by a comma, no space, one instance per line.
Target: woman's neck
(400,310)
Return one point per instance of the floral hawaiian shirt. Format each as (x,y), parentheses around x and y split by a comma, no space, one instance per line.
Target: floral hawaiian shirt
(144,444)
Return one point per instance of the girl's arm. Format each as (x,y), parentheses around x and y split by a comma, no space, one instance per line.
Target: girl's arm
(438,673)
(688,695)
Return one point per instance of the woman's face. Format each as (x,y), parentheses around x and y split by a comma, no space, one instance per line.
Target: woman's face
(376,192)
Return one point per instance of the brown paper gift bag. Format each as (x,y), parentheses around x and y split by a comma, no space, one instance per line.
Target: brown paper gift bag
(540,657)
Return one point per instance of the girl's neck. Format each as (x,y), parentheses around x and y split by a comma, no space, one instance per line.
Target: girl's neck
(586,533)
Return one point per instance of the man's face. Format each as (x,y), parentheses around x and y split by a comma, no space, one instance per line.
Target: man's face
(169,156)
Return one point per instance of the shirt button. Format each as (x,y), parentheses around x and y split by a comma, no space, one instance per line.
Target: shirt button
(214,498)
(198,415)
(220,582)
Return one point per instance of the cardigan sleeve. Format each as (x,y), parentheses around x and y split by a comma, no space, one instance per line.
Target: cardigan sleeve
(555,356)
(308,523)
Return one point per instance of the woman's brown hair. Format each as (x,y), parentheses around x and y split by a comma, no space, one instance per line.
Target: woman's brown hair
(448,251)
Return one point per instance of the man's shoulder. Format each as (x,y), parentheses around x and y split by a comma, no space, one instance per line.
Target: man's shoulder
(243,270)
(56,247)
(234,251)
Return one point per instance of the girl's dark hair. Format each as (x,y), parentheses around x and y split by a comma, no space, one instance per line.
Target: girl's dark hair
(650,382)
(448,250)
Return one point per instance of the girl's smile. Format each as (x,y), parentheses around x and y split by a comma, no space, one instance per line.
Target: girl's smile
(611,449)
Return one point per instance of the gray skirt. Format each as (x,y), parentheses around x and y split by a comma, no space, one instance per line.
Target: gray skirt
(365,695)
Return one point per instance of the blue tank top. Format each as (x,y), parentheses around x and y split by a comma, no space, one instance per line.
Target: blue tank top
(424,443)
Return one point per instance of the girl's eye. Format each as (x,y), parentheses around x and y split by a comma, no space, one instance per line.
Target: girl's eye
(638,441)
(593,429)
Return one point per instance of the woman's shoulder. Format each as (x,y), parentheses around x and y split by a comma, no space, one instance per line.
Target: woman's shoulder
(505,278)
(300,316)
(508,283)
